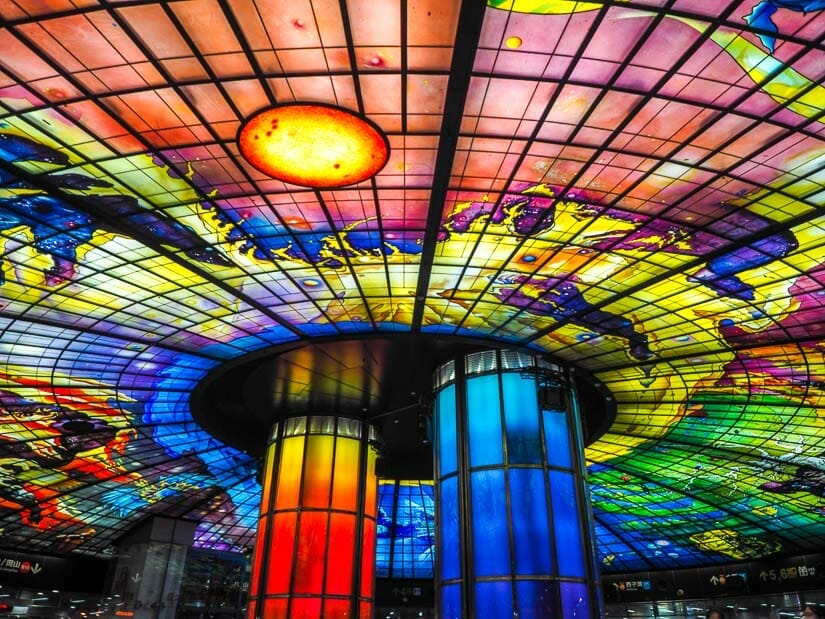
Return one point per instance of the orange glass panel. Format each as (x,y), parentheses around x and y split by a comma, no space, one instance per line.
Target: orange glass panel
(289,472)
(318,473)
(269,475)
(345,485)
(370,506)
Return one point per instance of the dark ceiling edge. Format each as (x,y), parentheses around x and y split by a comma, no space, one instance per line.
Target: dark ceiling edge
(593,434)
(199,394)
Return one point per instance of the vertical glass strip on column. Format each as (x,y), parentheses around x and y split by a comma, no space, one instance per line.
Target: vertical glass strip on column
(567,525)
(315,549)
(557,439)
(491,547)
(512,526)
(278,575)
(447,448)
(451,602)
(522,420)
(531,536)
(450,547)
(385,530)
(485,432)
(494,599)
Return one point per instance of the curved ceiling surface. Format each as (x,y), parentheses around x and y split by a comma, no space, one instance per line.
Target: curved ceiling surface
(633,186)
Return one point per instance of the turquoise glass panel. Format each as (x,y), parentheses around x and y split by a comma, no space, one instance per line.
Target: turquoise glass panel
(447,444)
(521,419)
(484,421)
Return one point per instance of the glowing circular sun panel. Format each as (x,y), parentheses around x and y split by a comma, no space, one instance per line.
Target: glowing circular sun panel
(313,145)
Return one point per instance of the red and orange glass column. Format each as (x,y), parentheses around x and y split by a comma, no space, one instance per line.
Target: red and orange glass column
(315,548)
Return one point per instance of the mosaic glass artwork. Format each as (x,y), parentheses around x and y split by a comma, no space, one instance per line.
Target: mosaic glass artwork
(635,188)
(405,543)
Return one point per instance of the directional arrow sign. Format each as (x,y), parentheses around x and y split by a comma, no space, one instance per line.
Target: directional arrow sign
(36,568)
(763,575)
(136,578)
(714,580)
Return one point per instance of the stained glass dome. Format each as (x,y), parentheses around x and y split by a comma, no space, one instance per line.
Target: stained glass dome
(631,187)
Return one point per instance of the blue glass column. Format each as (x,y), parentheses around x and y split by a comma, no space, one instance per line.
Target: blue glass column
(514,533)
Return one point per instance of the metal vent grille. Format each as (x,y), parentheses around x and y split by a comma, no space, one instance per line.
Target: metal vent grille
(479,362)
(514,360)
(444,374)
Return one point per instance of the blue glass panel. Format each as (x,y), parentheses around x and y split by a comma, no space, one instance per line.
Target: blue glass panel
(384,528)
(566,524)
(422,515)
(414,531)
(521,418)
(451,602)
(494,600)
(574,604)
(531,535)
(536,599)
(491,545)
(402,540)
(558,442)
(449,529)
(484,421)
(446,431)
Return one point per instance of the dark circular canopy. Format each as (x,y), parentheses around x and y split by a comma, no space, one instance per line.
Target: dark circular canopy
(385,380)
(633,188)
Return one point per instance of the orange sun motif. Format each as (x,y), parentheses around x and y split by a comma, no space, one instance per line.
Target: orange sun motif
(313,145)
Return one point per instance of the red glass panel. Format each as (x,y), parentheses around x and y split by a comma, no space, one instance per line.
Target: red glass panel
(368,559)
(250,609)
(309,561)
(260,551)
(275,608)
(365,612)
(280,552)
(305,608)
(337,609)
(340,555)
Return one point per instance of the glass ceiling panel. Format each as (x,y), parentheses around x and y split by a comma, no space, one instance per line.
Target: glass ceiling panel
(633,187)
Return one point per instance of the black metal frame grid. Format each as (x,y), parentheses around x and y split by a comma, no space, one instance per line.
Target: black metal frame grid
(69,331)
